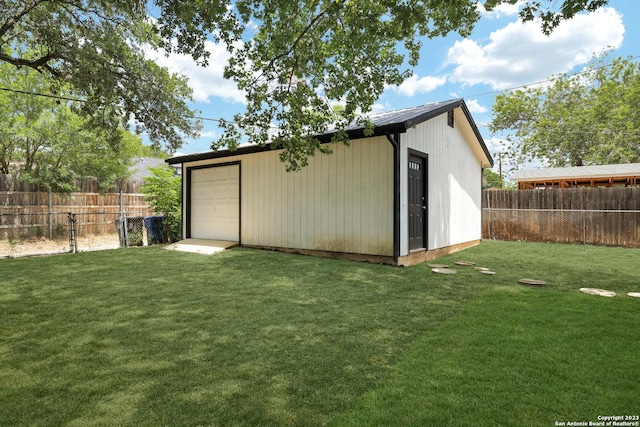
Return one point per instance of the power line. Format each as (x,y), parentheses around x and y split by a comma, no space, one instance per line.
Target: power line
(44,95)
(66,98)
(218,120)
(549,80)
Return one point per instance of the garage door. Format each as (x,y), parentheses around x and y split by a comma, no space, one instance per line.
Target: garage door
(215,203)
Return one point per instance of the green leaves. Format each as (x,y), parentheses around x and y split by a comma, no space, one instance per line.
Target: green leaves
(306,56)
(578,120)
(163,191)
(97,48)
(43,141)
(303,57)
(293,59)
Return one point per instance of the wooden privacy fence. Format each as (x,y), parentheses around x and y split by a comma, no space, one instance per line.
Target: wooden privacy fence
(27,214)
(599,216)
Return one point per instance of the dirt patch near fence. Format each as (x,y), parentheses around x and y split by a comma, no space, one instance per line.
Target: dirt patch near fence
(42,246)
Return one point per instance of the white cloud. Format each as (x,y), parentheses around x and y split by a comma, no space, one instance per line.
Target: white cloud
(414,85)
(206,82)
(503,9)
(520,53)
(497,145)
(475,107)
(377,108)
(209,134)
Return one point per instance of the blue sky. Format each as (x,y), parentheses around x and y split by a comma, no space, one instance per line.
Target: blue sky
(501,53)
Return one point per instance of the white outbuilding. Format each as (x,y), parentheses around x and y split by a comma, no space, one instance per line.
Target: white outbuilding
(408,193)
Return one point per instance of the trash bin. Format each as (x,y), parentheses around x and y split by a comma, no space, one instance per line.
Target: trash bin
(153,224)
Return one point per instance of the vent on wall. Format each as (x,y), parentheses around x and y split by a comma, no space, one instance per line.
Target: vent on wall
(450,118)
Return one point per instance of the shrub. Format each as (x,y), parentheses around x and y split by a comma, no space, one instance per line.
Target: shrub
(163,191)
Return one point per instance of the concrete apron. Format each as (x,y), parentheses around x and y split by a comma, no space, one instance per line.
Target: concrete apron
(201,246)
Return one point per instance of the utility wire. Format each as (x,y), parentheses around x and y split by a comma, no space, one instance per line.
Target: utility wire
(551,79)
(44,95)
(66,98)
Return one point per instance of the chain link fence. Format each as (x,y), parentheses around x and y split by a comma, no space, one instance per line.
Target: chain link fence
(596,227)
(28,234)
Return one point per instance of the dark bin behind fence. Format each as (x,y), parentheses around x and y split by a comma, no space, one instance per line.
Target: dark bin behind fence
(153,224)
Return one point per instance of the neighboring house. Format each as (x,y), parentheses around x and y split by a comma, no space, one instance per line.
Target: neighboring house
(627,174)
(140,168)
(408,193)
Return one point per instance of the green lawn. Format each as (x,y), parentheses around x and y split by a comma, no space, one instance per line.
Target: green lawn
(146,336)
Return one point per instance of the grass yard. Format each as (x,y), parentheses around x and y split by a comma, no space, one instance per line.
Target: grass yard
(148,337)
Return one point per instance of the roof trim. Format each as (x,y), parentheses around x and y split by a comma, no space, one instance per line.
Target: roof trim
(476,131)
(577,172)
(355,133)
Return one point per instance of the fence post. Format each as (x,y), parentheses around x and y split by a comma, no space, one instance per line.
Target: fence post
(73,241)
(123,216)
(489,214)
(50,216)
(584,226)
(125,229)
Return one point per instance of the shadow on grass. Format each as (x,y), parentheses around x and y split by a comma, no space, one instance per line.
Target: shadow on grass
(145,336)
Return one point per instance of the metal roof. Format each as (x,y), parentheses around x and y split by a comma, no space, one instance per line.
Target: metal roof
(578,172)
(408,117)
(386,123)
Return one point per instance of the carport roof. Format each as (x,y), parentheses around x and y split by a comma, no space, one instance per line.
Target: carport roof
(575,172)
(386,123)
(627,174)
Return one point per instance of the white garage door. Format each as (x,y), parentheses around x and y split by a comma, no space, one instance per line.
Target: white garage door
(215,203)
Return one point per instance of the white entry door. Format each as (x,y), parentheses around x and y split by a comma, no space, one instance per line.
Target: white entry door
(215,203)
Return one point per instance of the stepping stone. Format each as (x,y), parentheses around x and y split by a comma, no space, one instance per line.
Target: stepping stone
(464,263)
(634,294)
(481,268)
(488,272)
(443,270)
(599,292)
(438,265)
(532,282)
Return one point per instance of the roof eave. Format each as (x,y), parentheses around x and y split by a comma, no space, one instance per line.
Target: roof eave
(392,128)
(476,131)
(324,138)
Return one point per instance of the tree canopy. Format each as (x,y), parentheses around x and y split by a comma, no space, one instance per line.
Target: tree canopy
(293,59)
(44,142)
(586,119)
(95,50)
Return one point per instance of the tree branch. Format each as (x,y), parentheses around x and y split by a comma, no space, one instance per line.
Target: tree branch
(37,64)
(294,44)
(11,22)
(68,4)
(301,35)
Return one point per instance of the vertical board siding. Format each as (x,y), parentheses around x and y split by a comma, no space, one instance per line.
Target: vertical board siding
(341,202)
(453,183)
